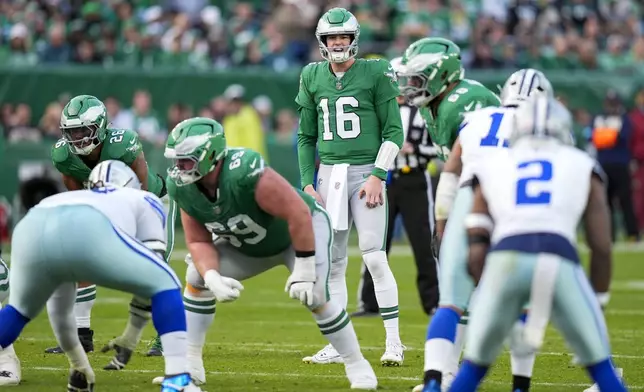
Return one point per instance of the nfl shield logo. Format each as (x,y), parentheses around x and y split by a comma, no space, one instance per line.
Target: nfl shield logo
(337,185)
(338,85)
(217,210)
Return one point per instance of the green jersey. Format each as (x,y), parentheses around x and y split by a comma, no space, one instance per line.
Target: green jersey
(348,117)
(120,144)
(235,214)
(443,125)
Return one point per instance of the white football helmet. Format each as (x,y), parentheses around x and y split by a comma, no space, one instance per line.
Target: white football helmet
(523,84)
(396,64)
(542,119)
(114,173)
(338,21)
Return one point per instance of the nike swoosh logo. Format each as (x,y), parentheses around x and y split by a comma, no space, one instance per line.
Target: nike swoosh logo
(469,107)
(133,141)
(252,165)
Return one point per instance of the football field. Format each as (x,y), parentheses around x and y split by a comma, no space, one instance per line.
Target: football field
(257,342)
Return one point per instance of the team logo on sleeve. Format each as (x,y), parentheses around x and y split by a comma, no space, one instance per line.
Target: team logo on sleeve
(391,74)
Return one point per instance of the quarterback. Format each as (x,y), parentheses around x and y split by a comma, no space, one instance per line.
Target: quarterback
(348,109)
(432,78)
(259,221)
(522,232)
(86,142)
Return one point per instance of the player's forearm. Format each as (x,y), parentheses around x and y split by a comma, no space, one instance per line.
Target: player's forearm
(300,228)
(392,135)
(204,256)
(306,141)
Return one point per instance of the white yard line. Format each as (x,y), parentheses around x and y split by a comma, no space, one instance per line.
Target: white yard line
(324,376)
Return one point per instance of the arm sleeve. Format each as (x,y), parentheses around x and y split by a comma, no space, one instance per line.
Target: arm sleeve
(306,142)
(388,114)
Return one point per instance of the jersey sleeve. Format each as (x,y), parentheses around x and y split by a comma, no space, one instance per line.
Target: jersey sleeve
(248,168)
(386,82)
(151,222)
(60,156)
(122,145)
(304,98)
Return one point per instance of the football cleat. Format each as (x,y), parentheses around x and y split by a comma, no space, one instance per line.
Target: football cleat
(86,337)
(620,375)
(361,375)
(325,356)
(179,383)
(156,349)
(120,359)
(81,381)
(394,354)
(9,367)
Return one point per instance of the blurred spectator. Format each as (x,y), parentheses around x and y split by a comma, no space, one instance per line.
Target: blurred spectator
(219,108)
(242,124)
(50,122)
(19,128)
(113,108)
(142,119)
(57,51)
(611,135)
(19,53)
(264,107)
(177,113)
(285,129)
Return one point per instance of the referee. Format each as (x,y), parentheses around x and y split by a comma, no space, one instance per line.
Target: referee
(410,194)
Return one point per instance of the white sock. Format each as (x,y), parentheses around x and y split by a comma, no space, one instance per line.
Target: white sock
(338,282)
(140,315)
(85,298)
(522,365)
(437,355)
(200,314)
(386,290)
(335,325)
(459,342)
(78,358)
(175,352)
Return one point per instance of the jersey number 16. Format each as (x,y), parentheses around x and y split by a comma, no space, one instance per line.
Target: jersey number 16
(343,120)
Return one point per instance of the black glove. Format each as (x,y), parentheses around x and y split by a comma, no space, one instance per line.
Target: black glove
(436,245)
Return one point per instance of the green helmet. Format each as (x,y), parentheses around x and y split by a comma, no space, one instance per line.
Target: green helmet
(84,123)
(195,145)
(429,65)
(338,21)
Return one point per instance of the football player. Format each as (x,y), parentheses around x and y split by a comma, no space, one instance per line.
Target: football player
(483,132)
(432,78)
(114,236)
(87,140)
(9,363)
(260,221)
(526,209)
(348,109)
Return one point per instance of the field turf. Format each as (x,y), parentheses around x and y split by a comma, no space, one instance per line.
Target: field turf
(257,342)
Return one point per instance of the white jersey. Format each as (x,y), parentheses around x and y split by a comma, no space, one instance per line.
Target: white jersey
(138,213)
(536,191)
(484,132)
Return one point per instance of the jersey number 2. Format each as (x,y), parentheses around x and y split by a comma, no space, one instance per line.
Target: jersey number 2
(239,225)
(523,196)
(491,139)
(341,119)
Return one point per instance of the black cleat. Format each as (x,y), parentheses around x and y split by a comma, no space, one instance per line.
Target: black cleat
(86,337)
(77,382)
(119,360)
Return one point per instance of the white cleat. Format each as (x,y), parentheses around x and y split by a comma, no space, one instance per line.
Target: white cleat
(418,388)
(325,356)
(361,375)
(620,375)
(447,380)
(394,354)
(9,368)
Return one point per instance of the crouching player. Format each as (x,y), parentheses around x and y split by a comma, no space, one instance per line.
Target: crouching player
(110,235)
(9,362)
(527,205)
(261,221)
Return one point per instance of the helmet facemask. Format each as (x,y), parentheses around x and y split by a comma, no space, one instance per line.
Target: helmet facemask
(338,54)
(188,168)
(82,140)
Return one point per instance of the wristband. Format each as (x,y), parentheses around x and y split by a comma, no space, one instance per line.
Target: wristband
(304,253)
(603,298)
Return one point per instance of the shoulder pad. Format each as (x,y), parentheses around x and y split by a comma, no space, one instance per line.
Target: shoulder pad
(121,142)
(60,151)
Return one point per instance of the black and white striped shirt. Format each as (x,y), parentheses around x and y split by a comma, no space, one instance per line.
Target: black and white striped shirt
(415,133)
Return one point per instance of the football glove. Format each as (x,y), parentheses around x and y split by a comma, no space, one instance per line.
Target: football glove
(225,289)
(300,284)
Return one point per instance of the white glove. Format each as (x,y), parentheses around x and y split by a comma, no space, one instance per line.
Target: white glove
(300,284)
(225,289)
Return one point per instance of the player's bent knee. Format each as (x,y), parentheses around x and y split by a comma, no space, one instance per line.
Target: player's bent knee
(194,279)
(370,242)
(376,263)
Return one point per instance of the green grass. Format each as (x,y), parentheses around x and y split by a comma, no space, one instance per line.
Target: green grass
(257,342)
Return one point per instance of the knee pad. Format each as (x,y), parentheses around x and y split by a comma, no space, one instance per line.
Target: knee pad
(370,241)
(194,279)
(4,281)
(339,267)
(376,263)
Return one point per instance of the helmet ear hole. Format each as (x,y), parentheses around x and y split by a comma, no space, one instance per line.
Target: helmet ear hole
(444,75)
